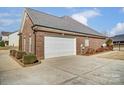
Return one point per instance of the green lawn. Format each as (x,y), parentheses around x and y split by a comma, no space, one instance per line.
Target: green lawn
(4,48)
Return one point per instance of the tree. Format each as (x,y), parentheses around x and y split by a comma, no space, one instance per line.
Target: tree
(2,44)
(109,42)
(0,38)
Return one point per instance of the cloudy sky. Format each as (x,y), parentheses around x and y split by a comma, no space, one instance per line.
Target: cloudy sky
(109,21)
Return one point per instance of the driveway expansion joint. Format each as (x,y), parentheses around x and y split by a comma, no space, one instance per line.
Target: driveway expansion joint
(9,70)
(94,69)
(68,80)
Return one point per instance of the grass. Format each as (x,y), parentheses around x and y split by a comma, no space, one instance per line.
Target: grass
(114,55)
(4,48)
(7,48)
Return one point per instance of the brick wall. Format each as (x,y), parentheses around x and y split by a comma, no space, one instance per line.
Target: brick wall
(40,42)
(96,42)
(27,32)
(93,43)
(79,41)
(40,45)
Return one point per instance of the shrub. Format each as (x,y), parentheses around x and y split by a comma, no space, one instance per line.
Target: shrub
(109,42)
(101,49)
(2,44)
(89,51)
(110,47)
(20,54)
(84,51)
(14,52)
(11,52)
(106,49)
(92,51)
(29,59)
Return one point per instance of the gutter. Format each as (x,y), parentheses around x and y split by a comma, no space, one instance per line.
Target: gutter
(35,26)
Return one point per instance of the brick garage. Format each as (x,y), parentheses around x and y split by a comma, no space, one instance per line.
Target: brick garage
(36,26)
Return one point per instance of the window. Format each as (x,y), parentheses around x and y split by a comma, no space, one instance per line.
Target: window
(86,42)
(24,44)
(30,44)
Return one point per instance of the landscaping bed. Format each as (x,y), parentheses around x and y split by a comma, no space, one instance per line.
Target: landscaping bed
(107,46)
(90,51)
(24,59)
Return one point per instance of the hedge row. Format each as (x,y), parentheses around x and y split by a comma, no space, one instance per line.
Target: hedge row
(26,58)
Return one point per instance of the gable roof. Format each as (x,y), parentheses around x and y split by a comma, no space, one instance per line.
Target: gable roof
(63,23)
(14,32)
(118,37)
(5,33)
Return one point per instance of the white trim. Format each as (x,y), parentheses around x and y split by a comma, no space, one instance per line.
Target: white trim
(24,44)
(30,43)
(65,32)
(87,42)
(23,21)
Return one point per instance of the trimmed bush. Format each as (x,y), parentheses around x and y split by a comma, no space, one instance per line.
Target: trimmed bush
(11,52)
(14,53)
(29,59)
(20,54)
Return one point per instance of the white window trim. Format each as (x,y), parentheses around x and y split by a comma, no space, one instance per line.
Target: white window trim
(30,43)
(87,42)
(24,44)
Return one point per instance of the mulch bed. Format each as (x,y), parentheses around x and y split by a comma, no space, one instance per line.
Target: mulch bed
(25,65)
(96,53)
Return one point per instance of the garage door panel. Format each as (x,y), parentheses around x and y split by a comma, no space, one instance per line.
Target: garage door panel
(56,46)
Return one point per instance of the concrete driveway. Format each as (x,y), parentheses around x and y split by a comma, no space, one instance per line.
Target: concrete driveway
(62,70)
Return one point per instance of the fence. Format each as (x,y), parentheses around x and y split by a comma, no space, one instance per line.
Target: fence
(119,47)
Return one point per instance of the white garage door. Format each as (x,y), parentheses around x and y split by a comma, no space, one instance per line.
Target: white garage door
(58,46)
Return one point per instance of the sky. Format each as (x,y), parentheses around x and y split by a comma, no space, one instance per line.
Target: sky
(109,21)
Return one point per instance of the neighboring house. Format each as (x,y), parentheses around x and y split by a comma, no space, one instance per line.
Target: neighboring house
(5,37)
(118,42)
(51,36)
(118,39)
(14,39)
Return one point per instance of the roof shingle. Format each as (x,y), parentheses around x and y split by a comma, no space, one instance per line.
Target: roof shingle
(65,22)
(5,33)
(118,37)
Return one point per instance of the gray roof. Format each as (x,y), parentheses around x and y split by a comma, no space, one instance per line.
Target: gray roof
(3,33)
(64,23)
(14,32)
(118,37)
